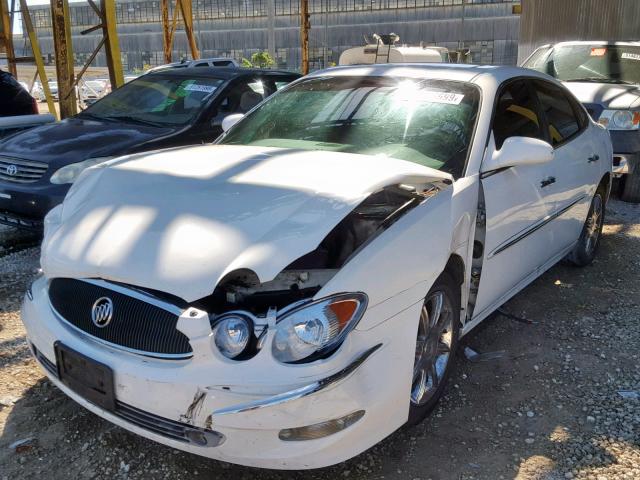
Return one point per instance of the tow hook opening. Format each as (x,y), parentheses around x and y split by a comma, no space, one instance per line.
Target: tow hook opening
(204,438)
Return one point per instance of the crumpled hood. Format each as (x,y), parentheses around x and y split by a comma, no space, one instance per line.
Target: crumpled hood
(179,220)
(609,96)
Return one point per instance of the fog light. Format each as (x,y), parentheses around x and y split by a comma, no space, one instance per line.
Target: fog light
(232,334)
(320,430)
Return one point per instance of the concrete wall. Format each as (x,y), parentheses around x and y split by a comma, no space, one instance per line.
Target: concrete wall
(550,21)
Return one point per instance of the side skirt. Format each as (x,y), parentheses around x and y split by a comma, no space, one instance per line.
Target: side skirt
(475,321)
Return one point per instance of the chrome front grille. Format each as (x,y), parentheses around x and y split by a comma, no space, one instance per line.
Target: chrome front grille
(139,323)
(21,171)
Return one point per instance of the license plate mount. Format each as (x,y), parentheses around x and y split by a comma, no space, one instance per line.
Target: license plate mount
(88,378)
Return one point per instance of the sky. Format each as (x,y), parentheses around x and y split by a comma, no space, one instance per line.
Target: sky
(40,2)
(17,23)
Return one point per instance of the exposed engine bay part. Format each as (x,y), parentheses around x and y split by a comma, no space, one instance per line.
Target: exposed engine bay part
(304,277)
(242,290)
(478,253)
(374,215)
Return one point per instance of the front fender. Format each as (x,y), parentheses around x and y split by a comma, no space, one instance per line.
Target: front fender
(399,266)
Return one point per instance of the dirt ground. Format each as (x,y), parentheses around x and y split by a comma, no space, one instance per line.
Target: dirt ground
(557,403)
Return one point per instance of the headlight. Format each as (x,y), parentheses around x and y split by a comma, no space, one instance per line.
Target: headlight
(232,334)
(69,173)
(620,119)
(316,328)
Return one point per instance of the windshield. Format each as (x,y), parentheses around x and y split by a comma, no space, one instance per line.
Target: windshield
(589,63)
(156,100)
(429,122)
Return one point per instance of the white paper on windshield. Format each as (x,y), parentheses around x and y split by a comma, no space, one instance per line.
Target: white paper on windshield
(631,56)
(194,87)
(449,98)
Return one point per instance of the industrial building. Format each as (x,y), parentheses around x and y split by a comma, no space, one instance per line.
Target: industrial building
(238,28)
(550,21)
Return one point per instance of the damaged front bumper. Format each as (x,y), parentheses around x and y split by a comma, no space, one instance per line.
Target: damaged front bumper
(244,412)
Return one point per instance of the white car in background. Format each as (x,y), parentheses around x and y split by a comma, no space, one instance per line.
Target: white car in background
(53,88)
(605,78)
(91,90)
(289,297)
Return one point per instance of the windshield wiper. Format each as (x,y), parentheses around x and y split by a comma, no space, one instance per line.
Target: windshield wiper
(90,115)
(599,80)
(129,118)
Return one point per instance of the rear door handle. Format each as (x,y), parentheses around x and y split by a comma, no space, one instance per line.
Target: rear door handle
(547,181)
(593,158)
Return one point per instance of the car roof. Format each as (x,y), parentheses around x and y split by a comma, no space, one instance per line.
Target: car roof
(592,42)
(445,71)
(223,73)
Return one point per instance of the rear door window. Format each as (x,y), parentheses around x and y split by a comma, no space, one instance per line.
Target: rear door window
(562,115)
(242,97)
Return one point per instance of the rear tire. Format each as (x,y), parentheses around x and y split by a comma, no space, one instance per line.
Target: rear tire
(587,246)
(436,345)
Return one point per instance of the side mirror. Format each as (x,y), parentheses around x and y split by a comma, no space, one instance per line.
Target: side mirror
(517,151)
(230,120)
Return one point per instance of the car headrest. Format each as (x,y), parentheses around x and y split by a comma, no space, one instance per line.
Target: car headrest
(248,100)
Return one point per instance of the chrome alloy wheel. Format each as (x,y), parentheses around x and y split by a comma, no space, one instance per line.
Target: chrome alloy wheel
(594,225)
(433,347)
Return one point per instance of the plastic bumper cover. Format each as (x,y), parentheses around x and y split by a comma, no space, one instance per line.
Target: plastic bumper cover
(249,407)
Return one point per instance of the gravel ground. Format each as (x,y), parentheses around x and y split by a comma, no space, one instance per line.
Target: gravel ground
(556,403)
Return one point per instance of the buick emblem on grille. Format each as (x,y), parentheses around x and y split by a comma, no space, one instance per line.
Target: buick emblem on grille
(102,312)
(12,170)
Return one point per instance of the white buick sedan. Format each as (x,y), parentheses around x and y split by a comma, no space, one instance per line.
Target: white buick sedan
(289,297)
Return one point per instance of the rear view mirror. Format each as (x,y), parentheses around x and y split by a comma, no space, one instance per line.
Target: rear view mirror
(519,151)
(230,120)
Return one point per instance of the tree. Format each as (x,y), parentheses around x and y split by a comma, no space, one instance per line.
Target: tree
(260,59)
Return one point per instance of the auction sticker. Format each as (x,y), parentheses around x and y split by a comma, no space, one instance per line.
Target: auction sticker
(195,87)
(449,98)
(631,56)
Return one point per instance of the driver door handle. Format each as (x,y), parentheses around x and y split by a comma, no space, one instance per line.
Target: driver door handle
(593,158)
(547,181)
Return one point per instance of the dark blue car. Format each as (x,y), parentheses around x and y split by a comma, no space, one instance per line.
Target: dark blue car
(158,110)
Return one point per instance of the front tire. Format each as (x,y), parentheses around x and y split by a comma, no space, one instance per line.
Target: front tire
(436,344)
(587,246)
